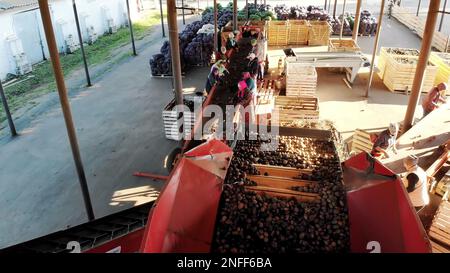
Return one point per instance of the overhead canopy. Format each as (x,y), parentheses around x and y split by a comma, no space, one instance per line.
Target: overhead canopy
(380,211)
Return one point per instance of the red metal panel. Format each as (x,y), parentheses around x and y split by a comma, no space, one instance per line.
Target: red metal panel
(184,216)
(380,209)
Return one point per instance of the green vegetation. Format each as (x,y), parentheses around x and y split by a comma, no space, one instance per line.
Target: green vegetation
(41,80)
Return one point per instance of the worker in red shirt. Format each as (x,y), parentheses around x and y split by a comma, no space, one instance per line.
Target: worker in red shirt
(431,100)
(385,141)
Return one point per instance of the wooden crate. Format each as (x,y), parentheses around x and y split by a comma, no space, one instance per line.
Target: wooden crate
(386,54)
(297,108)
(170,119)
(300,80)
(400,76)
(319,33)
(277,33)
(265,100)
(298,32)
(439,231)
(442,61)
(343,45)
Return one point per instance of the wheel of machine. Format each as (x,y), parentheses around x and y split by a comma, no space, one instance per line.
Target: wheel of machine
(172,158)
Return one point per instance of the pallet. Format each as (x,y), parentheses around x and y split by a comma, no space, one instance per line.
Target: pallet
(298,32)
(300,81)
(386,55)
(319,33)
(442,61)
(407,17)
(170,119)
(295,108)
(343,45)
(400,76)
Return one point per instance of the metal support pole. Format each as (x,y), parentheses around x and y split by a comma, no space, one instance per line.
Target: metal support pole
(65,104)
(131,29)
(329,5)
(247,9)
(343,20)
(442,16)
(357,20)
(162,18)
(325,6)
(425,49)
(235,21)
(80,39)
(375,48)
(182,11)
(12,127)
(334,8)
(418,7)
(215,26)
(175,50)
(256,3)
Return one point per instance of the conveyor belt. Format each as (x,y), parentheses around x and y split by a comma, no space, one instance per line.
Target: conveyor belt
(89,235)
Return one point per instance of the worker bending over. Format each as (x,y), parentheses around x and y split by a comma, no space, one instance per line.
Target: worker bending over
(385,141)
(213,77)
(231,42)
(434,96)
(252,65)
(258,50)
(416,182)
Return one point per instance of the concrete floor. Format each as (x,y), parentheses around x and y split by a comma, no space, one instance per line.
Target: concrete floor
(120,131)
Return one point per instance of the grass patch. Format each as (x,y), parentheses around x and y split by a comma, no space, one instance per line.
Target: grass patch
(42,80)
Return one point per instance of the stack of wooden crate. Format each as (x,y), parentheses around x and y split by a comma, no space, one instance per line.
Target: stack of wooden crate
(387,52)
(400,71)
(442,61)
(319,33)
(297,108)
(343,45)
(298,32)
(278,33)
(301,81)
(170,118)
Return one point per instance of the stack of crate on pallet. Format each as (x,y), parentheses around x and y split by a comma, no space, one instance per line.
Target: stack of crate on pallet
(319,33)
(297,108)
(400,71)
(442,61)
(386,53)
(439,232)
(298,32)
(170,117)
(278,33)
(300,80)
(343,45)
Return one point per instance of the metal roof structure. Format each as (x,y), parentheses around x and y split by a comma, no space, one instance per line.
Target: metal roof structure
(13,4)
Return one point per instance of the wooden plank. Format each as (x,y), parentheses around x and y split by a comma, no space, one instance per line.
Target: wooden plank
(281,171)
(272,180)
(297,195)
(438,237)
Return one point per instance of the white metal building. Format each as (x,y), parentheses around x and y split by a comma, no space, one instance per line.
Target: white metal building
(22,38)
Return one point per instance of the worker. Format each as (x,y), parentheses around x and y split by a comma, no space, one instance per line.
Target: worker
(251,86)
(213,77)
(416,182)
(434,96)
(385,141)
(231,42)
(258,50)
(223,54)
(220,65)
(252,65)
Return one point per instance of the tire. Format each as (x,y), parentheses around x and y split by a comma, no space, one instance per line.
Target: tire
(172,159)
